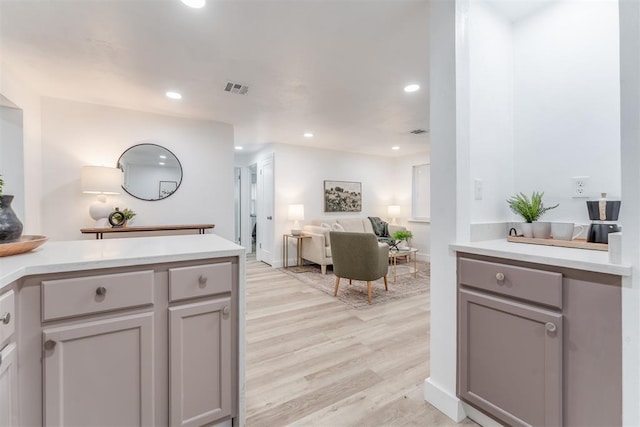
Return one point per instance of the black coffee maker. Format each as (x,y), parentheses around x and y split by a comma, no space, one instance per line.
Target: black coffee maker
(602,214)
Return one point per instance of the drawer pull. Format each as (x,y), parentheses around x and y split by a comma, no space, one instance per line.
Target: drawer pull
(550,327)
(6,318)
(50,344)
(500,277)
(101,291)
(202,280)
(225,310)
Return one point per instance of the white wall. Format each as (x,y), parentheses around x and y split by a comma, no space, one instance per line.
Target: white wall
(77,134)
(11,156)
(27,194)
(567,103)
(490,57)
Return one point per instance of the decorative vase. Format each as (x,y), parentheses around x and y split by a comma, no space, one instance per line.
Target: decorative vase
(527,229)
(10,225)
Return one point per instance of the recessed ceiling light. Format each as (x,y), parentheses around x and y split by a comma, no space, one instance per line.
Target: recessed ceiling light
(411,88)
(239,147)
(162,156)
(395,147)
(196,4)
(173,95)
(161,163)
(308,135)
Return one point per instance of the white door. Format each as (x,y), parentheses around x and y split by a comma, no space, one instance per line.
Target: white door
(264,249)
(237,192)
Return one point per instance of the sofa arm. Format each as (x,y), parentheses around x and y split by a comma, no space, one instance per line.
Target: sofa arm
(313,249)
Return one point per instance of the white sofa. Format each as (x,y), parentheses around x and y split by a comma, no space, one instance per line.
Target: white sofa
(317,249)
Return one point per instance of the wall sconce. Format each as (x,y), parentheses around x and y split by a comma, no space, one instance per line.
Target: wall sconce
(102,181)
(394,212)
(296,213)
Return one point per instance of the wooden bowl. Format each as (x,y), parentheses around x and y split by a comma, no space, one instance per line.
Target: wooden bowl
(22,245)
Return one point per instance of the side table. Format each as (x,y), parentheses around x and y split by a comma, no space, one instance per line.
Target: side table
(410,255)
(285,248)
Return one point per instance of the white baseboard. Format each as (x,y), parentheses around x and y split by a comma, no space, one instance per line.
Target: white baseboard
(444,401)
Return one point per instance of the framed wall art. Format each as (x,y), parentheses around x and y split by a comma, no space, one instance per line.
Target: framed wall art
(167,188)
(342,196)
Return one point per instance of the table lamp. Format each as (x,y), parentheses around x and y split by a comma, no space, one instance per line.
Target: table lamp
(100,180)
(296,213)
(394,212)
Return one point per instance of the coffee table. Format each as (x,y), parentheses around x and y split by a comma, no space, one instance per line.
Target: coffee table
(411,266)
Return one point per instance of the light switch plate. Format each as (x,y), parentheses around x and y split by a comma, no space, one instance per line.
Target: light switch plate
(477,189)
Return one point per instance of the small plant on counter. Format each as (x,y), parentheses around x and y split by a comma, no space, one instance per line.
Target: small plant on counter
(530,209)
(128,214)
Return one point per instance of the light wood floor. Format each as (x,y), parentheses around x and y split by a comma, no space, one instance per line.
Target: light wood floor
(312,360)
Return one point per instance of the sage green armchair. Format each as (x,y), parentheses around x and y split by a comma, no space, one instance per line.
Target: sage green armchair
(359,256)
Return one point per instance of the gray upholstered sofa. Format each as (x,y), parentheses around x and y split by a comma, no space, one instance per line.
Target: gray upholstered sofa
(317,249)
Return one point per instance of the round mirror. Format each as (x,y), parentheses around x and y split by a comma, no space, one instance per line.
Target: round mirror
(151,172)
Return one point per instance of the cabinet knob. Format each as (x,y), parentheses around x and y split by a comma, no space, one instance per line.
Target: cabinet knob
(550,327)
(101,291)
(202,280)
(225,310)
(499,277)
(50,344)
(6,318)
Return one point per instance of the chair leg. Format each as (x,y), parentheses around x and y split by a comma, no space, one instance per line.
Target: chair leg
(369,291)
(386,286)
(350,281)
(335,290)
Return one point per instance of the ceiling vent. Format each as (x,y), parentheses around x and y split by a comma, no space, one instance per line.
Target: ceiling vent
(418,131)
(238,88)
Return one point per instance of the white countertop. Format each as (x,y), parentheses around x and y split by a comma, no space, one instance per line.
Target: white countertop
(580,259)
(77,255)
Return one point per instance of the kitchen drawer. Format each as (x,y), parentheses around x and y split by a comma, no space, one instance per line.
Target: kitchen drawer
(544,287)
(199,281)
(95,294)
(7,316)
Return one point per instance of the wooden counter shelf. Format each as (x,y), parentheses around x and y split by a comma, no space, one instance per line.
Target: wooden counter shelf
(145,228)
(576,243)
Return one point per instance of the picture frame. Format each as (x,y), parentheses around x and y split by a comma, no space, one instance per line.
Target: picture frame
(342,196)
(167,188)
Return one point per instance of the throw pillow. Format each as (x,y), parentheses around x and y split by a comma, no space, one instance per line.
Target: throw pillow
(337,227)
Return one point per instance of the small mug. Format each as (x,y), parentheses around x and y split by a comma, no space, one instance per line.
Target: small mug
(565,230)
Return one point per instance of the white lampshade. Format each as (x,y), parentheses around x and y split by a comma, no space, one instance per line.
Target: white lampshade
(296,212)
(393,211)
(101,180)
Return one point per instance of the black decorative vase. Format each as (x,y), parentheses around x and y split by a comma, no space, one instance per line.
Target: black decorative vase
(10,225)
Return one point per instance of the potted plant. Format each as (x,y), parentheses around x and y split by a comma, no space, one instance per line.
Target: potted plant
(531,209)
(10,225)
(400,236)
(120,218)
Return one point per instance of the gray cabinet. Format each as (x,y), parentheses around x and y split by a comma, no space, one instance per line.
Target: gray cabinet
(200,368)
(99,373)
(511,359)
(537,344)
(8,386)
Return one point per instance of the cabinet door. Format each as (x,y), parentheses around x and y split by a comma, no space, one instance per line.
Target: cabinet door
(200,362)
(100,373)
(510,362)
(8,386)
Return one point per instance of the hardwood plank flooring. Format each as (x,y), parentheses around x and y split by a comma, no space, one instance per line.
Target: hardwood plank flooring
(313,361)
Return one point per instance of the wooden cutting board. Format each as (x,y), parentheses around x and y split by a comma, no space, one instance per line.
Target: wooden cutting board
(577,243)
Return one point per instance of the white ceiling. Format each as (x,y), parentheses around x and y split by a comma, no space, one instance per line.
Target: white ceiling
(335,68)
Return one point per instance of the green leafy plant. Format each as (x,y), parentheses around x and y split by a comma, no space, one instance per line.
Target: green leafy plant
(1,184)
(402,235)
(530,209)
(128,214)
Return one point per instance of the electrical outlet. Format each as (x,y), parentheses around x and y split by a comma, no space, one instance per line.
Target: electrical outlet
(580,187)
